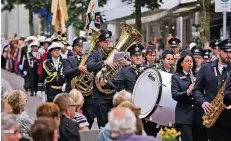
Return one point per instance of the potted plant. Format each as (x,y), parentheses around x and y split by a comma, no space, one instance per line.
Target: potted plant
(169,134)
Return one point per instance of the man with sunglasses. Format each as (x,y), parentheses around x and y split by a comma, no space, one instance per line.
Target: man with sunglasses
(197,53)
(210,78)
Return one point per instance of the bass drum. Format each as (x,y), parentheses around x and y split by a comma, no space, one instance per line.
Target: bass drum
(152,93)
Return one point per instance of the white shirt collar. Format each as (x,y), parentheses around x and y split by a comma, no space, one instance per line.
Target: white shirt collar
(56,60)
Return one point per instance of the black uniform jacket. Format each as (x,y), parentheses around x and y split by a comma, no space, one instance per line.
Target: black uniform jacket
(227,93)
(125,79)
(208,82)
(70,69)
(24,55)
(185,103)
(171,70)
(68,129)
(52,77)
(94,64)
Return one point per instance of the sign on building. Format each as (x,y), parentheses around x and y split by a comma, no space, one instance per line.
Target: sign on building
(222,5)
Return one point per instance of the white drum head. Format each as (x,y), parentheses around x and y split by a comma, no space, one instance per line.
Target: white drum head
(146,91)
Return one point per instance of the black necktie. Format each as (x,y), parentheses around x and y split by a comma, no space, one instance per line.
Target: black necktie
(223,70)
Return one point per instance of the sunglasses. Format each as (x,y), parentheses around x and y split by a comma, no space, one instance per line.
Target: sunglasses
(73,105)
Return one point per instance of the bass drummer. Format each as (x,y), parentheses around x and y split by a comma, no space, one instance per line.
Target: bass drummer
(167,61)
(150,56)
(181,87)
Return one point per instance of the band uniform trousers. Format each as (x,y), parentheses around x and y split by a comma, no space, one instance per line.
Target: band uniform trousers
(33,79)
(102,107)
(51,93)
(88,110)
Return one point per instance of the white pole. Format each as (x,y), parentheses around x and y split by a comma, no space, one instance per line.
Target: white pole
(224,24)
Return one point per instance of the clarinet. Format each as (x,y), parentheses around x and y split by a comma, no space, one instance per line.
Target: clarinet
(193,79)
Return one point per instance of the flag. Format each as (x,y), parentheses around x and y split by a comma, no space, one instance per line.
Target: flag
(59,10)
(92,18)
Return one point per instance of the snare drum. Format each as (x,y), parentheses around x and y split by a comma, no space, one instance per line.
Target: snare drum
(152,92)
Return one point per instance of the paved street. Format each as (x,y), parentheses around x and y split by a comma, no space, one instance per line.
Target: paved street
(13,81)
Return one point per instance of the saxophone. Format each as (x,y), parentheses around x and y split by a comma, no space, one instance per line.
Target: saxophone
(128,36)
(210,118)
(83,82)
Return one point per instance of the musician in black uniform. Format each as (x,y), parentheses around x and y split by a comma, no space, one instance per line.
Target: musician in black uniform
(200,134)
(71,66)
(150,56)
(167,61)
(227,93)
(72,69)
(197,53)
(52,73)
(127,75)
(174,44)
(32,58)
(214,45)
(207,55)
(182,93)
(96,61)
(24,62)
(209,80)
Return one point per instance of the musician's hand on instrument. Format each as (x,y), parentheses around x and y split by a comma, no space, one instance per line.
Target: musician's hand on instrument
(207,107)
(190,88)
(83,68)
(110,64)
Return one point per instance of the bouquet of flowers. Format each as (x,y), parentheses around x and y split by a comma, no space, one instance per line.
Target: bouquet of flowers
(169,134)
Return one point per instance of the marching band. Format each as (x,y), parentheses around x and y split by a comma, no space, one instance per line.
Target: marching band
(185,83)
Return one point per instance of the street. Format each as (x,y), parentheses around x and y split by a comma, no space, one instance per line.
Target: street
(16,82)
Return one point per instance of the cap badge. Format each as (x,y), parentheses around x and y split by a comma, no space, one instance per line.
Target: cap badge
(137,49)
(197,50)
(107,35)
(80,41)
(174,42)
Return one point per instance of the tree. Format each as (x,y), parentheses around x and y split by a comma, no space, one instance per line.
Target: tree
(138,4)
(30,5)
(205,20)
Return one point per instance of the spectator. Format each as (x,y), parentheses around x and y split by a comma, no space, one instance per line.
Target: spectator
(49,110)
(119,97)
(79,117)
(68,128)
(6,108)
(44,129)
(136,111)
(122,123)
(10,127)
(17,99)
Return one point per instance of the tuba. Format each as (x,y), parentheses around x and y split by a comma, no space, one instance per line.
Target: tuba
(128,36)
(83,82)
(210,118)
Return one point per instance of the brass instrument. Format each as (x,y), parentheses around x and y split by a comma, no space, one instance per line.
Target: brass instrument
(83,82)
(128,36)
(210,118)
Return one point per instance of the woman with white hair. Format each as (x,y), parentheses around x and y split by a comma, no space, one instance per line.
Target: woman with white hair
(17,100)
(79,117)
(10,127)
(123,125)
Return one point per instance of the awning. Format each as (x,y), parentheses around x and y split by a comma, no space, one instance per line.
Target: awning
(184,9)
(150,18)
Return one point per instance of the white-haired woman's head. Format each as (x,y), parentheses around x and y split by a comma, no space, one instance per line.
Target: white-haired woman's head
(121,96)
(122,121)
(77,97)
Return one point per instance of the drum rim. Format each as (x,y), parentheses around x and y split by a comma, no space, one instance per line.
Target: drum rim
(159,94)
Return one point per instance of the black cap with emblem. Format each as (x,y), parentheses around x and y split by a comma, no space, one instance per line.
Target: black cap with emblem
(105,35)
(213,44)
(151,48)
(174,42)
(225,45)
(136,49)
(207,54)
(196,50)
(79,41)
